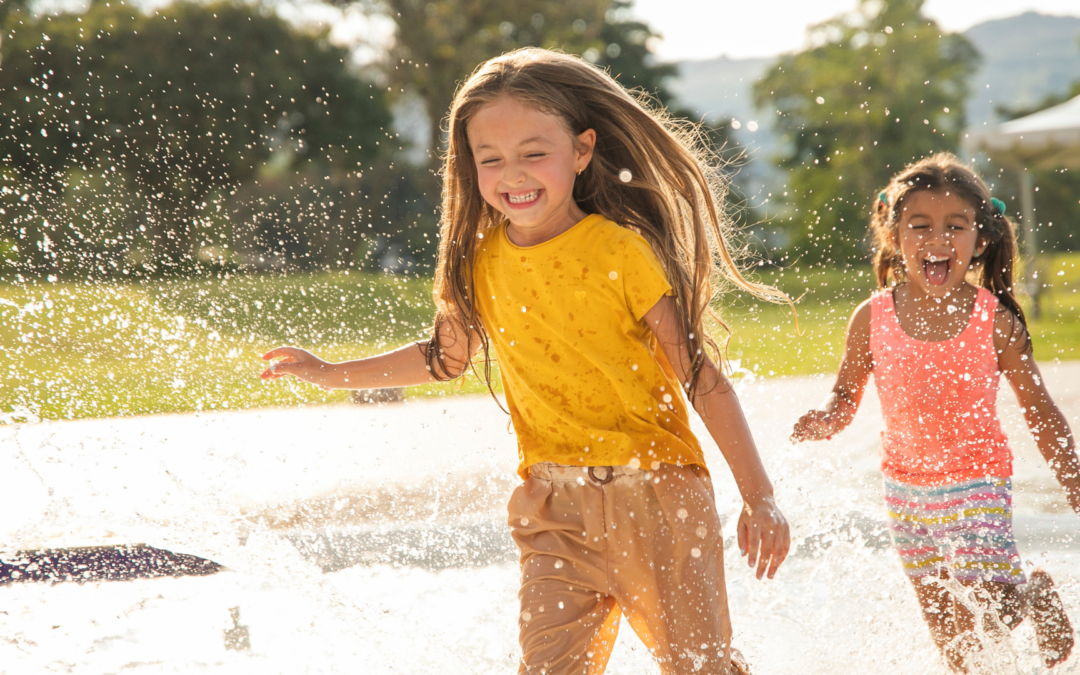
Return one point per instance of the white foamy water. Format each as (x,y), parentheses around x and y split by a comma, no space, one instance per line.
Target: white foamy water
(372,539)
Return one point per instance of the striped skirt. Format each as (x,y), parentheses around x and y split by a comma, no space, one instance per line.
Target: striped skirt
(964,528)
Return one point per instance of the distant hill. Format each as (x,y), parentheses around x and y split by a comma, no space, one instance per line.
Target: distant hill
(1025,58)
(719,87)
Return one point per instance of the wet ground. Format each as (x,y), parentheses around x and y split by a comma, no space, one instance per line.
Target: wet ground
(372,539)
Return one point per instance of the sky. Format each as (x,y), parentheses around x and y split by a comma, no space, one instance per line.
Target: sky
(702,29)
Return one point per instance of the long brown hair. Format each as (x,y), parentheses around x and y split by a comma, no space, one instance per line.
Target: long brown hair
(673,199)
(992,269)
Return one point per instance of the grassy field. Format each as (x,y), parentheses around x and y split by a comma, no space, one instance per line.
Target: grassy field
(764,338)
(92,350)
(74,350)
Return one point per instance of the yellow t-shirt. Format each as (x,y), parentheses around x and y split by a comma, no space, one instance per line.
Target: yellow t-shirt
(585,381)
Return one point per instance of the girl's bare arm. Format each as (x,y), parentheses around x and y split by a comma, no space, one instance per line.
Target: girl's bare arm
(763,532)
(839,408)
(402,367)
(1048,425)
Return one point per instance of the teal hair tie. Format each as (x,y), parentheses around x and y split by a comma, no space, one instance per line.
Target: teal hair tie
(999,205)
(883,197)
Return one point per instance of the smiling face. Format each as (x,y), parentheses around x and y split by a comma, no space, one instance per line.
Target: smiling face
(526,163)
(937,237)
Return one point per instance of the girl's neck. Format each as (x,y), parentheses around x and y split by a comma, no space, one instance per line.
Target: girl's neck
(934,318)
(534,234)
(920,300)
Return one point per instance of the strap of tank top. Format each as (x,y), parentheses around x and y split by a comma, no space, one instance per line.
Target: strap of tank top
(983,314)
(877,310)
(882,314)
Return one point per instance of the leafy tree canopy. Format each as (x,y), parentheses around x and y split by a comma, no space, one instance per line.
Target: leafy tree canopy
(173,104)
(879,88)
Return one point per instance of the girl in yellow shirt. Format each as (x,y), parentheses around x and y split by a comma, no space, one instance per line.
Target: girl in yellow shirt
(580,235)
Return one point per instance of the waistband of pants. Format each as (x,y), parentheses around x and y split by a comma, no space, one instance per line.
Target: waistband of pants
(595,474)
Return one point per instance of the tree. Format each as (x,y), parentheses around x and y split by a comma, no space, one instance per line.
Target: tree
(173,106)
(626,51)
(438,44)
(11,7)
(882,87)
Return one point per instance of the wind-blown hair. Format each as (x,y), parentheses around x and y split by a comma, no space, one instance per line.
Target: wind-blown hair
(674,198)
(993,269)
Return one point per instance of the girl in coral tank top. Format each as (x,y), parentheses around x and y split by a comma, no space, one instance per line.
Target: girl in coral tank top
(937,336)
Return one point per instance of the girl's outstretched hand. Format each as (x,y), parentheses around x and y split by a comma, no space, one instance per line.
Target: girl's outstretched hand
(294,361)
(816,425)
(764,537)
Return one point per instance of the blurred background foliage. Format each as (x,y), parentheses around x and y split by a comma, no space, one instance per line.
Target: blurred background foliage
(220,136)
(128,134)
(883,87)
(183,185)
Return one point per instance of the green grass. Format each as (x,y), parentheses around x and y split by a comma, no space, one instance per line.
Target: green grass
(764,339)
(91,350)
(1057,332)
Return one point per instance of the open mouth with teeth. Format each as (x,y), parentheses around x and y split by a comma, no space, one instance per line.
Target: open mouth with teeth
(522,198)
(936,268)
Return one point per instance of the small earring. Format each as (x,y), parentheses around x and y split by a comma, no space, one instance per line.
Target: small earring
(579,171)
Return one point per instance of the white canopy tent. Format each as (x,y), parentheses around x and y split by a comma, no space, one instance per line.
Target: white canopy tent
(1048,139)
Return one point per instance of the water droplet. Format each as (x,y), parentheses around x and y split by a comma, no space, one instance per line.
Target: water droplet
(682,514)
(625,176)
(667,398)
(634,463)
(558,565)
(702,531)
(613,275)
(524,521)
(696,552)
(527,616)
(820,100)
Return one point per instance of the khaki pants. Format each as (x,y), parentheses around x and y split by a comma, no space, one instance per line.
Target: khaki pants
(643,543)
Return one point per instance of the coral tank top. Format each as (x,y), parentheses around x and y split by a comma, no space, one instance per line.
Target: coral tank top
(939,399)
